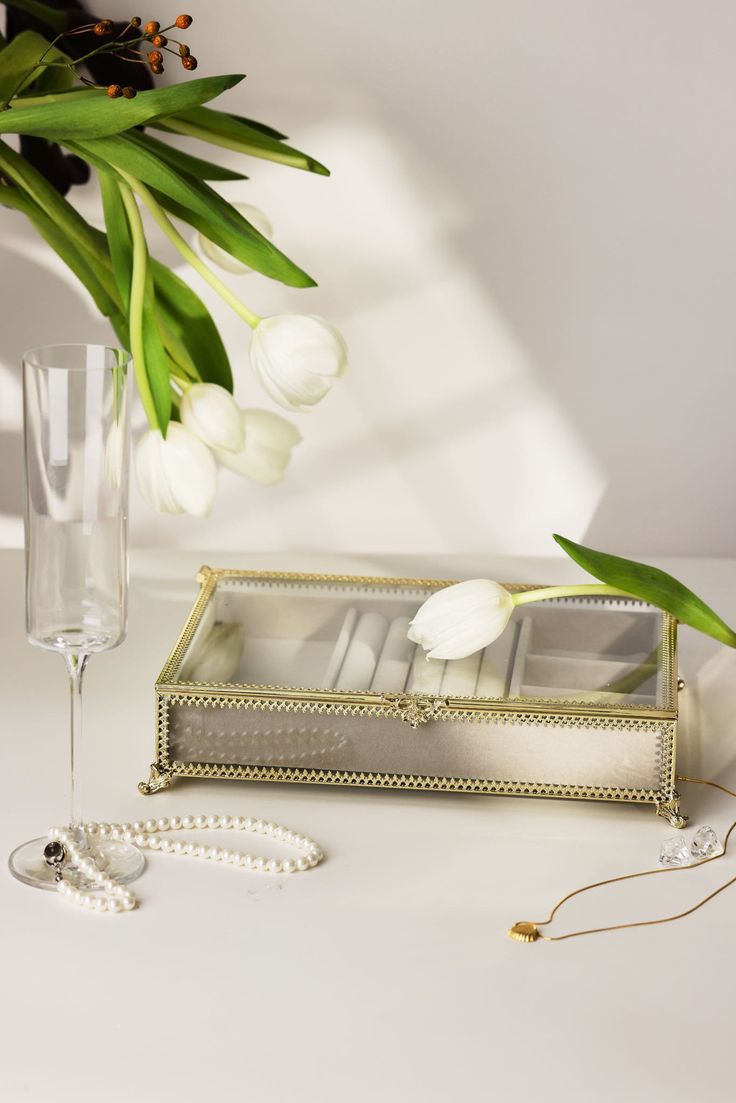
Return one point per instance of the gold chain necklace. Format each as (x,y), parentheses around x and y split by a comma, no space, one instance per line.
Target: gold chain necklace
(527,931)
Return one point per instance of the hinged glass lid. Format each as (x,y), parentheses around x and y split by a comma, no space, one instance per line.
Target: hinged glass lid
(348,637)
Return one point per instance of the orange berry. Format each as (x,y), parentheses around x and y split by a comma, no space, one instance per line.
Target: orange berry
(103,27)
(157,68)
(183,21)
(114,91)
(183,50)
(153,27)
(129,92)
(159,40)
(189,62)
(155,57)
(135,21)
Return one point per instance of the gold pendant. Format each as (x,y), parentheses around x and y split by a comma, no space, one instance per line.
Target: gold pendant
(523,932)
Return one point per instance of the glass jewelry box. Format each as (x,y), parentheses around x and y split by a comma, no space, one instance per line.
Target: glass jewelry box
(311,678)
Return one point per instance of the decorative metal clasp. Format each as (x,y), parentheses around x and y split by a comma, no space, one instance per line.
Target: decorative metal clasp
(159,778)
(416,710)
(54,855)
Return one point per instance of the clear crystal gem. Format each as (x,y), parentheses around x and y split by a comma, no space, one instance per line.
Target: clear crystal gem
(674,852)
(705,843)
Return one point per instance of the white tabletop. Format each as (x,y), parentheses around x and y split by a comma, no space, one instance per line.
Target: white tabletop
(386,972)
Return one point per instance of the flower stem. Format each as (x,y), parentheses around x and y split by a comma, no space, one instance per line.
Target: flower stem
(189,254)
(137,292)
(545,593)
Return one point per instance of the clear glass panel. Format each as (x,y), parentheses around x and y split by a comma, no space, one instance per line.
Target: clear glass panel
(76,439)
(352,637)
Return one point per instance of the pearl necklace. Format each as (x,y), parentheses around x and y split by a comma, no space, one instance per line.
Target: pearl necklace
(78,846)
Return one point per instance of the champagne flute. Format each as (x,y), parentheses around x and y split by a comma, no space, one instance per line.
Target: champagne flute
(76,406)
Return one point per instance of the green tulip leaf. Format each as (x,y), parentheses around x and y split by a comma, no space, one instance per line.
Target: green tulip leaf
(234,132)
(651,585)
(178,159)
(101,116)
(82,265)
(19,68)
(155,356)
(191,324)
(55,20)
(196,203)
(118,236)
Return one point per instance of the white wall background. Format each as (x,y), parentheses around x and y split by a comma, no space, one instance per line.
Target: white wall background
(529,242)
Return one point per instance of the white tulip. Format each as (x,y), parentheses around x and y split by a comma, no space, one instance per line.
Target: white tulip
(461,619)
(211,413)
(177,474)
(220,257)
(269,439)
(297,358)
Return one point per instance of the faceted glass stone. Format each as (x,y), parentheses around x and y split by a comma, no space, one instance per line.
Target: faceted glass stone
(705,843)
(674,852)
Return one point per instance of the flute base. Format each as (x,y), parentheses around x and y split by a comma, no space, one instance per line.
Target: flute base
(121,861)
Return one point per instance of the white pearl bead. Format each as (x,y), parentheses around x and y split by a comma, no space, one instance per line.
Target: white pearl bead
(288,865)
(104,830)
(138,826)
(203,852)
(192,849)
(238,823)
(151,826)
(167,846)
(278,833)
(226,822)
(128,903)
(249,823)
(178,848)
(126,827)
(140,840)
(154,842)
(312,858)
(200,821)
(100,904)
(226,855)
(162,824)
(91,828)
(114,905)
(128,836)
(215,853)
(175,823)
(187,821)
(213,821)
(302,863)
(259,826)
(246,860)
(259,864)
(274,866)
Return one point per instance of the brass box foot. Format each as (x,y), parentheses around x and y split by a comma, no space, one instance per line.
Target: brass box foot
(159,778)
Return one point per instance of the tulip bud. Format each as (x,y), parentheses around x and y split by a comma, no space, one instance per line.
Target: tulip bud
(177,474)
(461,619)
(269,439)
(213,415)
(297,358)
(220,257)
